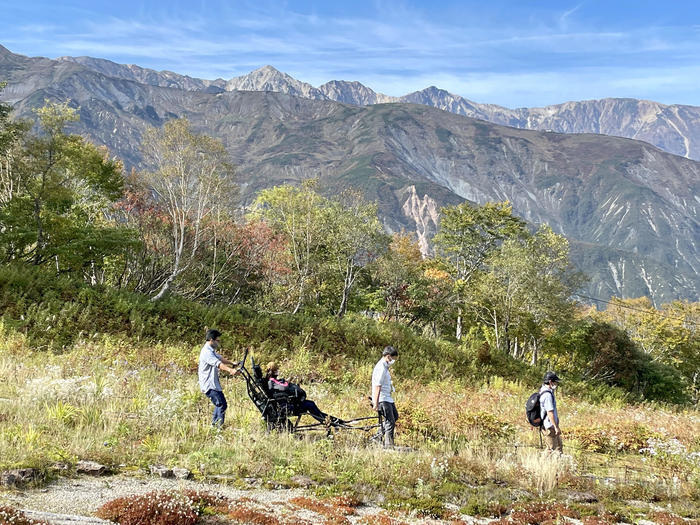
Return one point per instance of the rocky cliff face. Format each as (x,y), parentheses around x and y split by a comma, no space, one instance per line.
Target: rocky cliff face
(629,209)
(267,78)
(425,213)
(354,93)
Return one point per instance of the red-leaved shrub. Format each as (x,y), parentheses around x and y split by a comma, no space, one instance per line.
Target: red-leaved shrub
(152,508)
(10,516)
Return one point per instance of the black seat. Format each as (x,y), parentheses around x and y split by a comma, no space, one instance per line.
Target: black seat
(277,407)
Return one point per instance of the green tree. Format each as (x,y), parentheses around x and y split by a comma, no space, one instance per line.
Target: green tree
(296,213)
(330,243)
(528,285)
(669,336)
(601,352)
(468,235)
(11,133)
(61,188)
(409,288)
(354,237)
(393,273)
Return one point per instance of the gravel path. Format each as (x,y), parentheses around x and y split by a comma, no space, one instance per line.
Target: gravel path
(74,501)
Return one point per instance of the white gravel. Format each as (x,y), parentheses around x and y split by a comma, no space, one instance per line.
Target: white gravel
(74,501)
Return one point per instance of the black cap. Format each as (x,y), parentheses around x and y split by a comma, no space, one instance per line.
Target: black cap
(550,376)
(389,350)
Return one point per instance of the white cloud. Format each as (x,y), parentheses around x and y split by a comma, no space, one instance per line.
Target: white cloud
(395,49)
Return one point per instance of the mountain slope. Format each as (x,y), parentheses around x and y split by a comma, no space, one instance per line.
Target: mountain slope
(354,93)
(630,209)
(146,76)
(673,128)
(267,78)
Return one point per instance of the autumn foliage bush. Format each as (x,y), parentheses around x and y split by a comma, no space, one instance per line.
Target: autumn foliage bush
(10,516)
(538,514)
(334,511)
(241,512)
(159,508)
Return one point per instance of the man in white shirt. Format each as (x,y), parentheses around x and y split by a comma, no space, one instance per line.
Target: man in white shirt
(210,362)
(548,412)
(382,400)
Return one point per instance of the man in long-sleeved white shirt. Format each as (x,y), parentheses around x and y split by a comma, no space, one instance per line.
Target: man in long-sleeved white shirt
(210,362)
(382,389)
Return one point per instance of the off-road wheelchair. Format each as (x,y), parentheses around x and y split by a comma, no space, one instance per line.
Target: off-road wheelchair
(284,412)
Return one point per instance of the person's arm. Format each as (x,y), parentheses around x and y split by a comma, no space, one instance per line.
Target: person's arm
(548,405)
(550,415)
(233,371)
(226,365)
(225,361)
(279,384)
(375,396)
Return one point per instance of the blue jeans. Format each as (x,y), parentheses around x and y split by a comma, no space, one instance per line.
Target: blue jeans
(220,406)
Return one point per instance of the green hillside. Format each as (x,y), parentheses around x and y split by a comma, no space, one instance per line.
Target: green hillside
(91,373)
(108,284)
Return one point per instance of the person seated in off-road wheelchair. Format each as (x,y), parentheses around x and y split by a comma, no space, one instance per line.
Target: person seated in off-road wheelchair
(282,404)
(294,396)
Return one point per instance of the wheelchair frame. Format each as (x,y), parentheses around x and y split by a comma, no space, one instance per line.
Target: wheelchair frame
(279,414)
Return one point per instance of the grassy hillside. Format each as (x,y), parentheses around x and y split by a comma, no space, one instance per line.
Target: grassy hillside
(96,374)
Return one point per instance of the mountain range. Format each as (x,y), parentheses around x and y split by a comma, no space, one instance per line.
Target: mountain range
(628,208)
(672,128)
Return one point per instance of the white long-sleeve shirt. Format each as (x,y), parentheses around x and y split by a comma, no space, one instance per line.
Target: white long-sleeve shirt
(382,378)
(208,370)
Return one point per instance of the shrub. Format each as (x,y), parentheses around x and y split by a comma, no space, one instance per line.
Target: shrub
(615,438)
(476,506)
(488,425)
(10,516)
(661,382)
(535,513)
(158,508)
(427,507)
(415,420)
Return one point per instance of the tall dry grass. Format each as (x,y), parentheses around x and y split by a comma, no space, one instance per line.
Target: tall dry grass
(132,405)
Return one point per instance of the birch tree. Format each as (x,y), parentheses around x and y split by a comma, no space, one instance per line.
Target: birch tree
(355,239)
(297,214)
(192,178)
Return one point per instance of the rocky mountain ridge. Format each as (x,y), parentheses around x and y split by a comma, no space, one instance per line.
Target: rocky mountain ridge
(673,128)
(629,209)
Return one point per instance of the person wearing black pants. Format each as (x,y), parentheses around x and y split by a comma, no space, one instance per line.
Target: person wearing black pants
(382,389)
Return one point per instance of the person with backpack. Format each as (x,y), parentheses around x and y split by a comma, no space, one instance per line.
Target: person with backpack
(548,412)
(210,362)
(382,400)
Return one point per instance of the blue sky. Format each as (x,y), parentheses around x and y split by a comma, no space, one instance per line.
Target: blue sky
(513,53)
